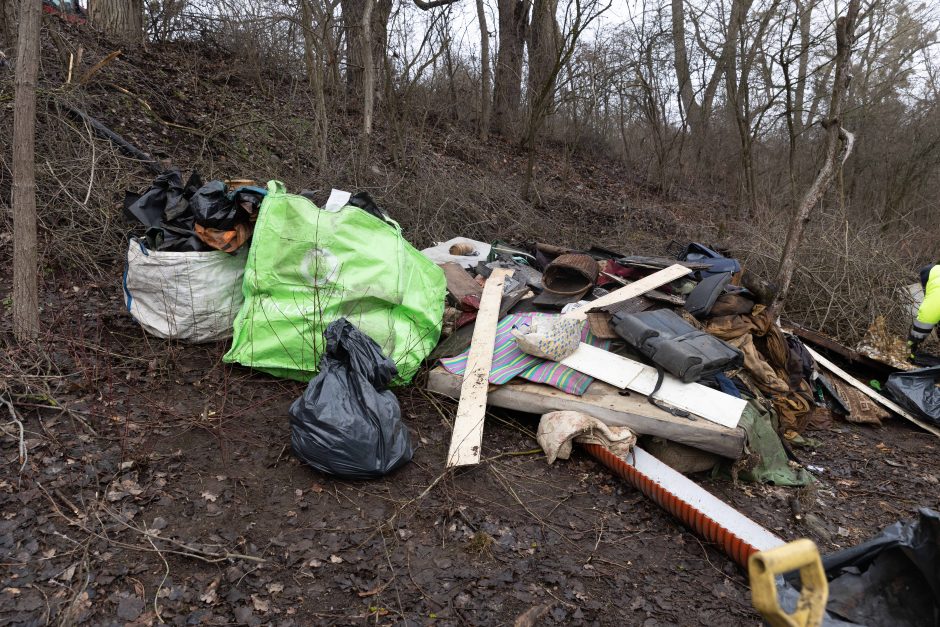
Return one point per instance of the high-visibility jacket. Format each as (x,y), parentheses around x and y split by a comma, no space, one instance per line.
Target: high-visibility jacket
(928,315)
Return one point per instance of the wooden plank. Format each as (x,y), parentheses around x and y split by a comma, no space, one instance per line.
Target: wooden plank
(606,403)
(623,372)
(467,437)
(830,344)
(875,396)
(637,288)
(603,365)
(459,282)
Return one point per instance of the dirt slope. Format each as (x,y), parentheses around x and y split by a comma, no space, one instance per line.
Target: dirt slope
(159,484)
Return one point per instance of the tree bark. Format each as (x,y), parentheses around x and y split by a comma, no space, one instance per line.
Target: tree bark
(25,249)
(507,86)
(368,73)
(7,26)
(485,84)
(690,106)
(121,19)
(544,50)
(839,144)
(353,11)
(313,60)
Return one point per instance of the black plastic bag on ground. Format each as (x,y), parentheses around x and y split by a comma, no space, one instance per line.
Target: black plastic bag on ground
(347,423)
(892,579)
(917,391)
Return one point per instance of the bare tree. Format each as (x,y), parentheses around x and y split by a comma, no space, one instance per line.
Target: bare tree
(315,18)
(544,48)
(25,251)
(7,25)
(356,48)
(697,111)
(485,82)
(507,85)
(368,73)
(839,144)
(578,16)
(121,19)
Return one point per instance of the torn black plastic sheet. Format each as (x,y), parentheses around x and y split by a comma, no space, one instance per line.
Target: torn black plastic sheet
(892,580)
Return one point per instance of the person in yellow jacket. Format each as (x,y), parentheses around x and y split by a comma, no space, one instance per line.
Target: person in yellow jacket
(928,315)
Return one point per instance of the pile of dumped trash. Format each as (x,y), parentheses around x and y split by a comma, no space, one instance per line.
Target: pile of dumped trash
(656,366)
(273,270)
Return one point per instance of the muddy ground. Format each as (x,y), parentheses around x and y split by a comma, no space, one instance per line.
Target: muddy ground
(160,486)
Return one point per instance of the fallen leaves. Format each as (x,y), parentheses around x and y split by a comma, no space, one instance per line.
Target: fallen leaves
(260,604)
(210,596)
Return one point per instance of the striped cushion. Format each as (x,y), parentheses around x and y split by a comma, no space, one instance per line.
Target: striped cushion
(510,362)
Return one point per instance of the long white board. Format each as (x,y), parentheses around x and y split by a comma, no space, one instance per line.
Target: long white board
(867,391)
(603,365)
(625,373)
(637,288)
(467,438)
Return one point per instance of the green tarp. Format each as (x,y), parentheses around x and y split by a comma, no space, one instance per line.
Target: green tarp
(768,462)
(308,267)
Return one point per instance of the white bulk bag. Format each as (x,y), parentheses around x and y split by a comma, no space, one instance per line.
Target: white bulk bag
(192,296)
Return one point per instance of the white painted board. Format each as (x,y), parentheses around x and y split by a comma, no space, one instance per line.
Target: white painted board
(603,365)
(637,288)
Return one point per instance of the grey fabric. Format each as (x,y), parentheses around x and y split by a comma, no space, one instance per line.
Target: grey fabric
(700,301)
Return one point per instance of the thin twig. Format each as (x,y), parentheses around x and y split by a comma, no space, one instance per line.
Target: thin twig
(24,454)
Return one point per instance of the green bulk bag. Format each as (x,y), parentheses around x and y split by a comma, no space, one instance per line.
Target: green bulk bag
(308,267)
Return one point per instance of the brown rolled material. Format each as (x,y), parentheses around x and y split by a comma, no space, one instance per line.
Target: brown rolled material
(570,274)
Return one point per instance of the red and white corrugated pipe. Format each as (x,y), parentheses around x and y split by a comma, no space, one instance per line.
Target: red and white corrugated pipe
(711,518)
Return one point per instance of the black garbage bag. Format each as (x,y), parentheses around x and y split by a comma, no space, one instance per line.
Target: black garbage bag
(165,210)
(248,200)
(347,423)
(917,391)
(165,199)
(892,579)
(364,201)
(214,208)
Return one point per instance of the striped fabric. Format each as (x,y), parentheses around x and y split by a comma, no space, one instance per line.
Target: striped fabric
(510,362)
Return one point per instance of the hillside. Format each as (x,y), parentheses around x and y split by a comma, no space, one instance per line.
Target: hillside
(157,483)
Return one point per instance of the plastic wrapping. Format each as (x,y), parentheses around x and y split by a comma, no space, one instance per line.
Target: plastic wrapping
(892,579)
(213,208)
(917,391)
(347,423)
(164,210)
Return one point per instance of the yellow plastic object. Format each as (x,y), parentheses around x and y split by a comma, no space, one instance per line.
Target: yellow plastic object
(764,567)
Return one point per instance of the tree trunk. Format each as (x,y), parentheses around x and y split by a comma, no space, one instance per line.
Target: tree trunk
(838,140)
(544,50)
(690,106)
(7,26)
(485,85)
(25,251)
(121,19)
(313,60)
(368,73)
(353,11)
(507,86)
